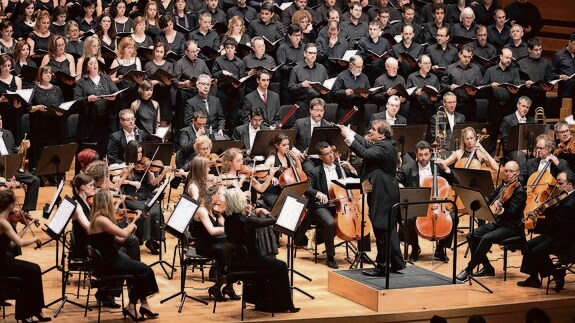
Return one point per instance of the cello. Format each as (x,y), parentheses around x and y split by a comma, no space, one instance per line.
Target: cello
(470,162)
(348,218)
(539,188)
(437,224)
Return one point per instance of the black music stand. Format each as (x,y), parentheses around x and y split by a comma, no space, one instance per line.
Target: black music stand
(147,208)
(475,201)
(264,138)
(55,230)
(331,135)
(165,151)
(522,137)
(11,164)
(409,195)
(219,146)
(177,225)
(47,210)
(56,160)
(406,137)
(289,214)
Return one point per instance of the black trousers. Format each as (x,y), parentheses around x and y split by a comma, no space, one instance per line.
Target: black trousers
(323,216)
(33,187)
(482,240)
(30,300)
(536,259)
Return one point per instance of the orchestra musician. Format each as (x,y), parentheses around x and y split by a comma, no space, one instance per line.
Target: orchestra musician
(544,147)
(508,222)
(247,132)
(30,299)
(103,235)
(452,118)
(239,229)
(412,175)
(280,158)
(467,142)
(391,112)
(118,140)
(198,178)
(206,103)
(518,117)
(557,237)
(379,167)
(304,130)
(188,136)
(565,141)
(320,209)
(208,228)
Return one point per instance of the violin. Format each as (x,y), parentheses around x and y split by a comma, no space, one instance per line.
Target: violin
(504,195)
(530,219)
(565,148)
(22,217)
(259,171)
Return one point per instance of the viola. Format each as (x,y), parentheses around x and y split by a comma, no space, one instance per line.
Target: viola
(504,194)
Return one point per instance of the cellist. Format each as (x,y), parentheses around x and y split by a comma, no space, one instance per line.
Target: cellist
(544,147)
(320,209)
(412,175)
(467,144)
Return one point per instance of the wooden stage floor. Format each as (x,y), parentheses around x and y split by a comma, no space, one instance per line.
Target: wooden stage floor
(508,303)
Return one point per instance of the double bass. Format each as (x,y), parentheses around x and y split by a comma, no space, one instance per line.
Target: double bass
(437,224)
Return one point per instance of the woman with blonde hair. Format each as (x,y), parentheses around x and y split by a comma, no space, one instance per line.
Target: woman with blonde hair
(126,61)
(467,143)
(91,49)
(152,19)
(237,31)
(40,37)
(139,36)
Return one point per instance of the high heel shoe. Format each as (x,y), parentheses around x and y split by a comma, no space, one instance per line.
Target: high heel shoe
(216,293)
(229,290)
(144,312)
(131,315)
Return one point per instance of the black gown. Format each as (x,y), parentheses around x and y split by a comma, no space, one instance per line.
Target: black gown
(208,245)
(10,115)
(146,117)
(162,92)
(30,301)
(148,227)
(116,263)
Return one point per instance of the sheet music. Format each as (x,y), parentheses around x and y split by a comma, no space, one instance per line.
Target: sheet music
(160,191)
(182,215)
(66,105)
(349,54)
(161,131)
(55,198)
(62,216)
(290,213)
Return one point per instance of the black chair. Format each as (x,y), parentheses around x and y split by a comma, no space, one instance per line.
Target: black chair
(109,283)
(9,289)
(510,244)
(237,258)
(565,261)
(77,263)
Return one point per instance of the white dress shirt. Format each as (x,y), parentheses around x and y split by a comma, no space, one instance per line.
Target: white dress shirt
(424,172)
(330,174)
(3,148)
(390,119)
(252,134)
(520,119)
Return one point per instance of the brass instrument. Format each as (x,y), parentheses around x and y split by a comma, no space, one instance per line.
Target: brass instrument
(22,150)
(540,115)
(441,124)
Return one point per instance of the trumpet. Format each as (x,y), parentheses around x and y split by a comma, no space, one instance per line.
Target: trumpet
(441,127)
(23,150)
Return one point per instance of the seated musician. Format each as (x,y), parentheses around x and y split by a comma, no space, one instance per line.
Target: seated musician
(239,229)
(103,234)
(452,118)
(187,138)
(565,140)
(208,104)
(304,129)
(413,175)
(557,237)
(279,158)
(7,147)
(508,202)
(208,228)
(544,147)
(467,143)
(30,299)
(140,184)
(247,132)
(390,114)
(320,209)
(118,140)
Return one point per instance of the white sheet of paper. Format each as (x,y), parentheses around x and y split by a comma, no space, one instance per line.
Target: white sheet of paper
(182,215)
(61,217)
(290,213)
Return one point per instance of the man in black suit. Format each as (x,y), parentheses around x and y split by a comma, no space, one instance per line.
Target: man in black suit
(379,167)
(320,179)
(390,114)
(557,237)
(544,148)
(262,97)
(32,182)
(304,128)
(247,132)
(119,139)
(508,223)
(209,105)
(187,137)
(451,118)
(518,117)
(412,175)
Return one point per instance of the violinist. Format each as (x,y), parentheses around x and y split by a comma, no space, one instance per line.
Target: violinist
(30,300)
(188,136)
(140,184)
(379,167)
(320,209)
(565,139)
(208,228)
(247,132)
(467,142)
(544,147)
(119,139)
(557,237)
(198,179)
(413,175)
(508,201)
(280,158)
(304,129)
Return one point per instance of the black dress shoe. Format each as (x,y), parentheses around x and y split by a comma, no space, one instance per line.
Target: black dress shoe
(374,272)
(331,263)
(532,282)
(146,313)
(485,271)
(42,318)
(441,255)
(111,304)
(415,252)
(152,248)
(559,280)
(294,310)
(463,275)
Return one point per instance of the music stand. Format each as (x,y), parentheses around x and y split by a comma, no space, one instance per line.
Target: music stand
(406,137)
(475,201)
(165,151)
(177,225)
(264,138)
(332,136)
(11,164)
(147,208)
(412,195)
(219,146)
(289,214)
(55,230)
(456,133)
(522,137)
(475,178)
(56,160)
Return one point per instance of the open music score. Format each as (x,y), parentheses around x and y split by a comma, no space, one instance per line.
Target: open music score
(182,215)
(290,214)
(62,217)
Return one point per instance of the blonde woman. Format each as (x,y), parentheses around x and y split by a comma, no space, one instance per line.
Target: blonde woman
(467,143)
(126,61)
(39,38)
(91,49)
(237,31)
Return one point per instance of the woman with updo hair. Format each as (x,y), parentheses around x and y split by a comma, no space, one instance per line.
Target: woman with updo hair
(146,110)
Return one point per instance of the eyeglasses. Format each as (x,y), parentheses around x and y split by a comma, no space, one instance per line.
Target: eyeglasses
(128,119)
(563,131)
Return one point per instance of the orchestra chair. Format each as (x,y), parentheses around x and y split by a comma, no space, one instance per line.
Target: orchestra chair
(563,261)
(236,257)
(369,110)
(112,283)
(77,263)
(9,289)
(511,244)
(317,229)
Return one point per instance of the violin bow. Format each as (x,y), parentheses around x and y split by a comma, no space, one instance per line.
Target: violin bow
(148,167)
